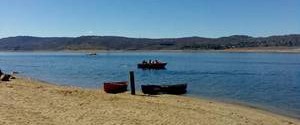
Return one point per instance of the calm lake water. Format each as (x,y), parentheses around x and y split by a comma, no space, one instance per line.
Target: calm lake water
(266,80)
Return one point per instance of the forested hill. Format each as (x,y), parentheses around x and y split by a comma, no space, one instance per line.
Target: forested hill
(28,43)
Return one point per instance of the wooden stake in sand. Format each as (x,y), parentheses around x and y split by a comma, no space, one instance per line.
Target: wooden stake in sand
(132,84)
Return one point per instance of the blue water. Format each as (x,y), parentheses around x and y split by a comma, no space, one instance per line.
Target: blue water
(266,80)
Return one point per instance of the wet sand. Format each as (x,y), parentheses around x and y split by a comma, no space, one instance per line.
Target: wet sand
(27,101)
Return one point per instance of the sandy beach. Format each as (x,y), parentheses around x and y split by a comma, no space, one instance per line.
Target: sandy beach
(25,101)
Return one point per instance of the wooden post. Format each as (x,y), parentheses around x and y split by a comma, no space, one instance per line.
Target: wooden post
(132,84)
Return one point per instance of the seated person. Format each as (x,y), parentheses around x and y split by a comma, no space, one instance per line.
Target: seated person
(144,62)
(157,62)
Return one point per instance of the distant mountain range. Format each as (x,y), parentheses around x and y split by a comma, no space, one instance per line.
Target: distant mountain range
(29,43)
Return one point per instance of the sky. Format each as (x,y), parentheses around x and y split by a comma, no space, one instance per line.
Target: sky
(149,18)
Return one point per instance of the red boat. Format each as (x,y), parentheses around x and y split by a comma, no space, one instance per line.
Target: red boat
(115,87)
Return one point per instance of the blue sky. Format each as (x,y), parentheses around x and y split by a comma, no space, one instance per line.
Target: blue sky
(149,18)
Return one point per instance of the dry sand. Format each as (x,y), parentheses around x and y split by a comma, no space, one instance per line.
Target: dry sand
(26,101)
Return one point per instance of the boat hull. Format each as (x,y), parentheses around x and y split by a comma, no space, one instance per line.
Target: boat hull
(151,89)
(176,89)
(152,66)
(115,87)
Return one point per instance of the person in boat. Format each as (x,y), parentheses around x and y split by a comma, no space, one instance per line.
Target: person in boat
(150,61)
(157,62)
(144,62)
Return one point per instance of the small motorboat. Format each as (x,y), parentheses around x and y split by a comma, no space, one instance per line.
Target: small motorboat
(92,54)
(160,65)
(115,87)
(176,89)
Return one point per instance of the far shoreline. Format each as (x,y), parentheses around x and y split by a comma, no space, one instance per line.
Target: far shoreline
(233,50)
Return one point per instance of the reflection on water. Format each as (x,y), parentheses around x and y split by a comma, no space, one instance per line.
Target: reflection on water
(271,80)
